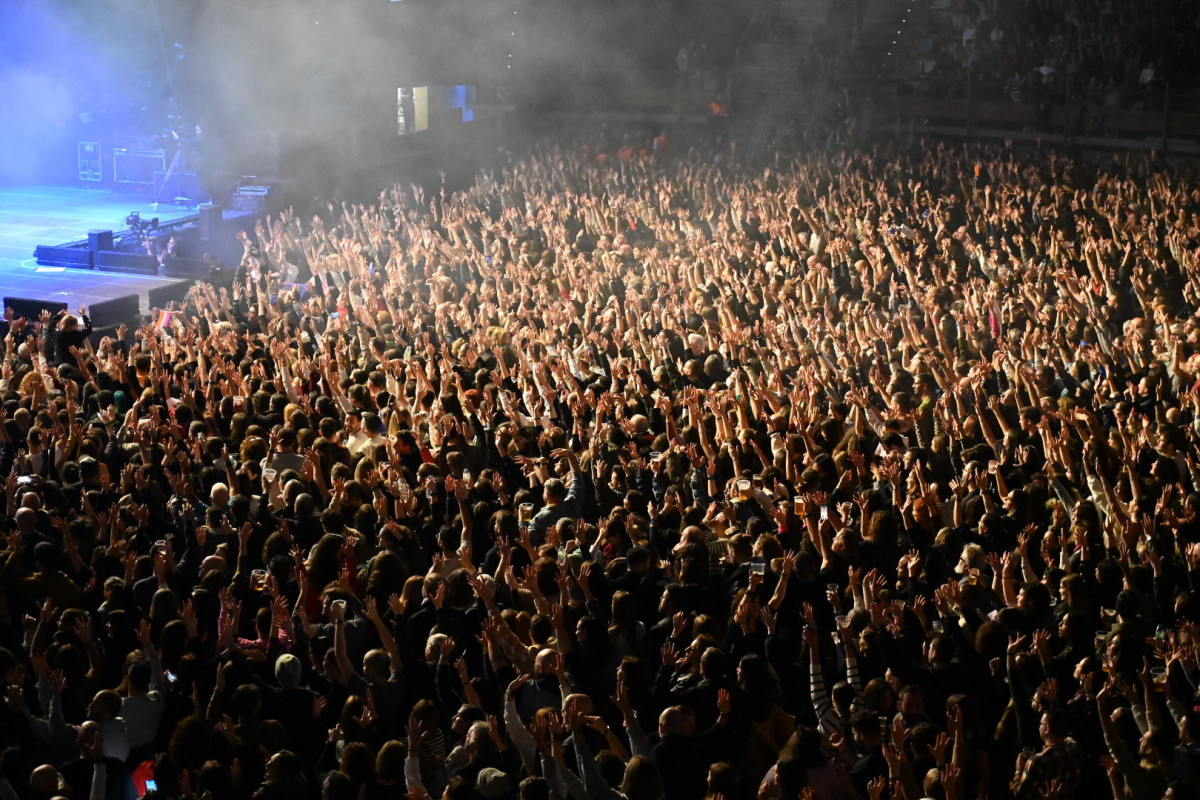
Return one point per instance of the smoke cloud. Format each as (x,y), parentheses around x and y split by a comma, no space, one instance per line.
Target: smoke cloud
(286,87)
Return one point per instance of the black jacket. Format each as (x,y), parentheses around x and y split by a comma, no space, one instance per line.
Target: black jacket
(65,340)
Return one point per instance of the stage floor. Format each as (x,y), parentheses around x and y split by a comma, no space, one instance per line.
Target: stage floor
(52,215)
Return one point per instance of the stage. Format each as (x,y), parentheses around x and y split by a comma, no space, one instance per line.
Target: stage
(54,215)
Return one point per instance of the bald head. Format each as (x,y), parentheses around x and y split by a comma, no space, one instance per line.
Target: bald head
(581,703)
(213,564)
(545,662)
(670,722)
(44,780)
(105,705)
(26,519)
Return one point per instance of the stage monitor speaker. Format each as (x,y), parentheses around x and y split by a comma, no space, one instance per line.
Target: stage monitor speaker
(116,261)
(115,311)
(181,184)
(185,268)
(100,240)
(137,166)
(252,199)
(161,296)
(131,326)
(78,257)
(32,309)
(211,219)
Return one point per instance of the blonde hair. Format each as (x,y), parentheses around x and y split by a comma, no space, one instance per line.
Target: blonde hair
(32,381)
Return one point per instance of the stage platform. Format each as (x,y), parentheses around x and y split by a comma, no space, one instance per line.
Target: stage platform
(54,215)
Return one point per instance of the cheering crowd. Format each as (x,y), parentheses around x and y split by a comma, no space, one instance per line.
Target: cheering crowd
(630,474)
(1106,53)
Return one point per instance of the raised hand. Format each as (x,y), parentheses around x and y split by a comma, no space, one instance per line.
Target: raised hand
(515,685)
(724,702)
(371,610)
(143,634)
(940,745)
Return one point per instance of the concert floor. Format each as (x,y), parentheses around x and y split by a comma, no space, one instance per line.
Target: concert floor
(54,215)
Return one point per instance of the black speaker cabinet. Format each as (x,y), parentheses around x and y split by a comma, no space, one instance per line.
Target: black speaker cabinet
(100,240)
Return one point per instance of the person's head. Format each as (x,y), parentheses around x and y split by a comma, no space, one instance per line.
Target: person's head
(1054,726)
(642,780)
(372,425)
(866,728)
(579,703)
(747,607)
(972,557)
(546,662)
(671,722)
(284,766)
(554,492)
(912,701)
(288,671)
(714,664)
(1155,747)
(246,702)
(843,696)
(433,647)
(338,786)
(357,762)
(376,667)
(90,736)
(287,441)
(137,677)
(723,779)
(466,716)
(592,634)
(425,714)
(1128,605)
(26,519)
(105,706)
(534,789)
(45,781)
(47,557)
(1033,598)
(493,784)
(479,742)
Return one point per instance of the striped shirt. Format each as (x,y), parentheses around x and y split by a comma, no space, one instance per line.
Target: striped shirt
(829,720)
